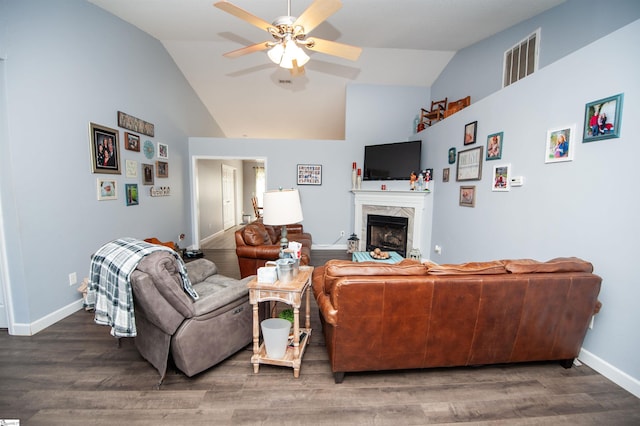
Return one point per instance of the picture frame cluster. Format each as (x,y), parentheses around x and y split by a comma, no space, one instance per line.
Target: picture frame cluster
(602,120)
(107,158)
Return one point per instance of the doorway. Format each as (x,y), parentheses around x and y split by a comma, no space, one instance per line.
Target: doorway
(211,213)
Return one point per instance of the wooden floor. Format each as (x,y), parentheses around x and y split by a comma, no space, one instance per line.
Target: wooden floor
(73,373)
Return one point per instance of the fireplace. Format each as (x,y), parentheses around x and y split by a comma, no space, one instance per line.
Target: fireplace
(414,206)
(388,233)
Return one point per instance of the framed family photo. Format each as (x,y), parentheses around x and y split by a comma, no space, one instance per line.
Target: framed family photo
(163,150)
(105,151)
(131,142)
(602,119)
(560,144)
(147,174)
(494,146)
(162,169)
(107,189)
(470,133)
(468,196)
(309,174)
(501,178)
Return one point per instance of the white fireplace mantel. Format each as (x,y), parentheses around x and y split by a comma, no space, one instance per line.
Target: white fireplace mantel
(419,202)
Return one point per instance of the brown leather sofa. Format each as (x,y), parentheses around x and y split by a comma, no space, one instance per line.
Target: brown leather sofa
(378,316)
(257,243)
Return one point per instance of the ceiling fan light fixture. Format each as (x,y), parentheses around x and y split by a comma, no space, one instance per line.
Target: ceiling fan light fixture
(275,53)
(293,52)
(283,54)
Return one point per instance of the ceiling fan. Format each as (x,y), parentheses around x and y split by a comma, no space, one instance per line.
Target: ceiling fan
(290,35)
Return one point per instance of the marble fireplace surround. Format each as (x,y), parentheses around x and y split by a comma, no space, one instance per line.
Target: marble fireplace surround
(409,204)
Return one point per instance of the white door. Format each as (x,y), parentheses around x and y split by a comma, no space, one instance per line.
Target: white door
(228,196)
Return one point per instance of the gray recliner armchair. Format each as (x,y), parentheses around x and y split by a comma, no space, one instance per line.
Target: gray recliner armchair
(198,334)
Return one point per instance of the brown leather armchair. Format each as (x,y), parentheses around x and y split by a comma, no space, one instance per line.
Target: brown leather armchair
(257,243)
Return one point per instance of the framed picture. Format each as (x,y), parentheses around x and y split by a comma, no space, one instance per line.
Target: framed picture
(107,189)
(309,174)
(131,168)
(470,133)
(147,174)
(445,175)
(560,145)
(163,150)
(131,190)
(602,119)
(105,151)
(134,124)
(501,177)
(494,146)
(452,155)
(468,196)
(131,142)
(469,165)
(162,169)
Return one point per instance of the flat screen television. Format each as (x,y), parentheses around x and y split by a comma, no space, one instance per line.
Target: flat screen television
(392,161)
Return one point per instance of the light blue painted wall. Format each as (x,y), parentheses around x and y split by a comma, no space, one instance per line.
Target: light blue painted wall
(69,63)
(477,70)
(375,114)
(585,208)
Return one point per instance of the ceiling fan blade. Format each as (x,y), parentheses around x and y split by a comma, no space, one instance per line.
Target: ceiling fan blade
(317,13)
(333,48)
(243,14)
(246,50)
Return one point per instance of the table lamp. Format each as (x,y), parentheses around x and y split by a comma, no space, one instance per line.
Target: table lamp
(280,208)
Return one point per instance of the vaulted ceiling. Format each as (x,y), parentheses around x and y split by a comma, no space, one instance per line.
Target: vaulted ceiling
(405,42)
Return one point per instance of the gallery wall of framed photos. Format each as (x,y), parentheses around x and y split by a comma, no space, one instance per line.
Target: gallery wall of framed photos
(602,121)
(142,159)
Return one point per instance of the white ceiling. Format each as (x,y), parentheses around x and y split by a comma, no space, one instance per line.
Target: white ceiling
(247,95)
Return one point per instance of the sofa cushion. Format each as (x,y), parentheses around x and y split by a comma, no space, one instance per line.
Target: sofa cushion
(274,236)
(256,235)
(559,264)
(200,269)
(470,268)
(343,268)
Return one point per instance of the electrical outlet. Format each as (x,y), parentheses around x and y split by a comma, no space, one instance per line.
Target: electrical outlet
(342,233)
(73,279)
(437,249)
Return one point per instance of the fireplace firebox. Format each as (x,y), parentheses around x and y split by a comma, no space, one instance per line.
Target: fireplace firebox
(388,233)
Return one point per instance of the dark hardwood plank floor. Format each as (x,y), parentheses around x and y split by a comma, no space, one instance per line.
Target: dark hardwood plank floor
(73,373)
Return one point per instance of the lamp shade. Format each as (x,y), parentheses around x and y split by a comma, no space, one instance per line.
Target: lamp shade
(281,207)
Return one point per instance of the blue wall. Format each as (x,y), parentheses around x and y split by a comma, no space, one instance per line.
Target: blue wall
(477,70)
(69,63)
(585,208)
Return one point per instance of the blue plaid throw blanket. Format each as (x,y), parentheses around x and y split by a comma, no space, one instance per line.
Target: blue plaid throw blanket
(109,290)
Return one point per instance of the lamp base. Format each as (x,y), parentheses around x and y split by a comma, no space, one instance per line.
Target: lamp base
(284,242)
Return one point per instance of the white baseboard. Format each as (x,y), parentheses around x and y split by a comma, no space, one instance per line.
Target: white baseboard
(44,322)
(205,240)
(612,373)
(329,247)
